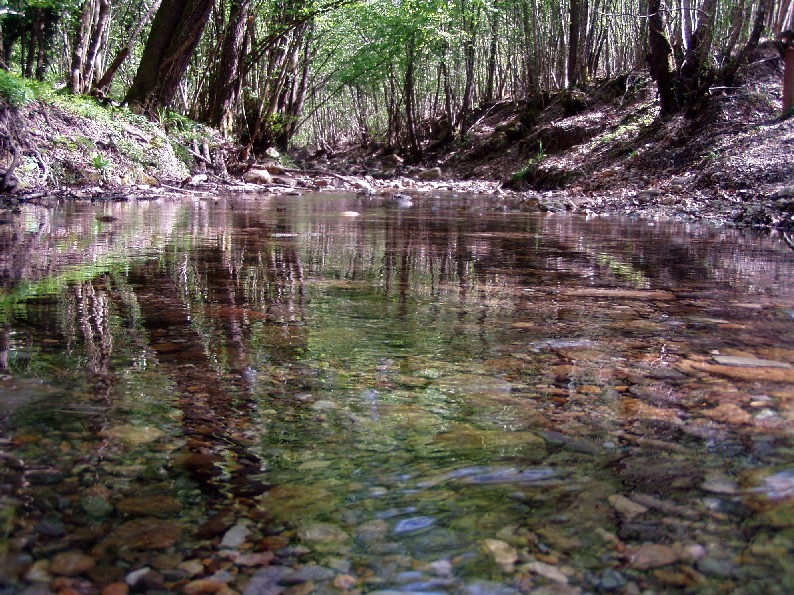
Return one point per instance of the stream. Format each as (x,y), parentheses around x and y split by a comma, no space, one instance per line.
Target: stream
(338,394)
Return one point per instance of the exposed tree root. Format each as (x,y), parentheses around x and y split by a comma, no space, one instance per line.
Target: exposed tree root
(8,182)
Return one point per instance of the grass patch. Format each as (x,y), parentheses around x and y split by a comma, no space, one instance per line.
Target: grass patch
(19,91)
(531,165)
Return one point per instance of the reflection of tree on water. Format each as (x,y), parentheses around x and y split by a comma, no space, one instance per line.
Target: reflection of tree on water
(86,319)
(5,347)
(209,317)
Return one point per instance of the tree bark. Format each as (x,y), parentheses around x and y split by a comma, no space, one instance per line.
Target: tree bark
(574,26)
(660,59)
(223,95)
(788,81)
(103,85)
(81,46)
(176,31)
(729,70)
(686,17)
(409,97)
(491,72)
(469,57)
(97,36)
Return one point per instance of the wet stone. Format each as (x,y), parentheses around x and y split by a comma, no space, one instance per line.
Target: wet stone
(71,563)
(731,360)
(145,534)
(626,507)
(199,586)
(156,506)
(38,572)
(51,527)
(118,588)
(488,588)
(610,580)
(306,574)
(13,564)
(236,535)
(719,567)
(652,555)
(215,526)
(322,533)
(135,435)
(503,554)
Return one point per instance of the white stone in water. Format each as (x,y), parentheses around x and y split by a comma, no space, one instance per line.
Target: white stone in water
(626,507)
(323,405)
(504,554)
(236,536)
(322,533)
(135,435)
(718,483)
(547,571)
(780,485)
(733,360)
(136,575)
(441,567)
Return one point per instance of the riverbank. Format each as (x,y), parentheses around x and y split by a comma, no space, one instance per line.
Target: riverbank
(598,150)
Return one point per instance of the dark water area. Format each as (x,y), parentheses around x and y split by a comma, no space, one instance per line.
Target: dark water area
(323,394)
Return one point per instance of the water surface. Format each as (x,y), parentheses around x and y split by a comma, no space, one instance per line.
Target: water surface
(329,393)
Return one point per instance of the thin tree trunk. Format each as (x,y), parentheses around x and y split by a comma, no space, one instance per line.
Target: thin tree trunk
(729,70)
(491,72)
(574,26)
(686,17)
(102,87)
(97,35)
(409,98)
(467,101)
(82,39)
(222,95)
(660,60)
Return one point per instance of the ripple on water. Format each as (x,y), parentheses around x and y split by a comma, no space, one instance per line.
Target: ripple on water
(494,475)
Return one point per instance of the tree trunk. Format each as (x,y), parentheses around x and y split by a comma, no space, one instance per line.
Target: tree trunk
(176,31)
(660,59)
(223,96)
(729,70)
(46,31)
(574,27)
(80,47)
(491,73)
(469,56)
(97,35)
(786,8)
(409,98)
(788,82)
(298,95)
(686,17)
(103,86)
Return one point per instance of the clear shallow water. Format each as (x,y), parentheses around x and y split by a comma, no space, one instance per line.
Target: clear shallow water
(276,394)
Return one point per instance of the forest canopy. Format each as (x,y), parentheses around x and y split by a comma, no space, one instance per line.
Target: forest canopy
(400,74)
